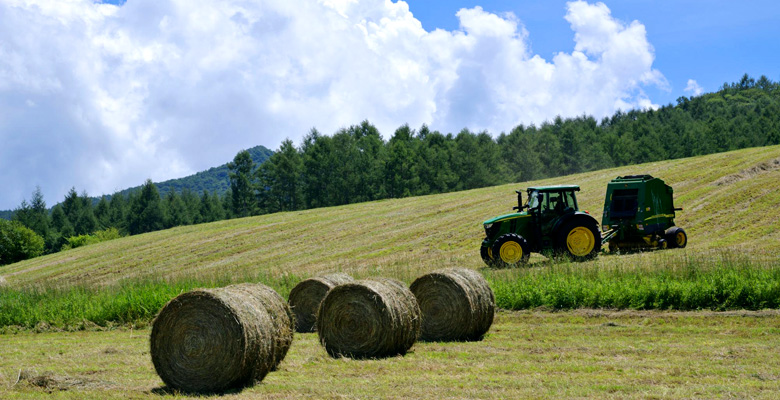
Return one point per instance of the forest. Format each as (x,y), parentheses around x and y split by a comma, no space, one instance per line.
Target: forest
(356,164)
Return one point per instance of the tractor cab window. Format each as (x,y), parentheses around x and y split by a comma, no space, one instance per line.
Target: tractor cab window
(570,200)
(533,200)
(558,203)
(552,202)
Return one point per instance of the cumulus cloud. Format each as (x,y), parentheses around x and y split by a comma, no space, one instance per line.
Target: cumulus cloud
(694,88)
(102,97)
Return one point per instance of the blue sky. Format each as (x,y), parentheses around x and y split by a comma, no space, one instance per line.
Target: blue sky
(101,96)
(710,41)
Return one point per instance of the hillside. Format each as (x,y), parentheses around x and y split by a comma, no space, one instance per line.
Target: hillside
(730,203)
(215,179)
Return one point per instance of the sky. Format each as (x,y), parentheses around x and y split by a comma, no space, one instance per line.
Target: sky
(100,96)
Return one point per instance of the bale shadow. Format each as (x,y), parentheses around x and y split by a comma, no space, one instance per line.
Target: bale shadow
(169,391)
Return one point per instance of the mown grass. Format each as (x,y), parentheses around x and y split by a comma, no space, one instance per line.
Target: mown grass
(684,281)
(725,207)
(530,354)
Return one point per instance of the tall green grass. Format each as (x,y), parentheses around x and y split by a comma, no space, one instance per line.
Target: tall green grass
(683,283)
(129,302)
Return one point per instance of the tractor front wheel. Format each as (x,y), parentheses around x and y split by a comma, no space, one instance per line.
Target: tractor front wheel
(676,237)
(484,251)
(579,240)
(510,250)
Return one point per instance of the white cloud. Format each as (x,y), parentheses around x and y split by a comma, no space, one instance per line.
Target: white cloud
(693,88)
(101,97)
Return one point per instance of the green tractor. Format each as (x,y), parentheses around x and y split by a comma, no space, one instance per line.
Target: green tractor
(639,214)
(549,222)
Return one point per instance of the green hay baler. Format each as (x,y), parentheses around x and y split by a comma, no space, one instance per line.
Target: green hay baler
(639,213)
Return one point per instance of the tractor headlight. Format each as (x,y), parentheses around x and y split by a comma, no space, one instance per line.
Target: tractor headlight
(492,229)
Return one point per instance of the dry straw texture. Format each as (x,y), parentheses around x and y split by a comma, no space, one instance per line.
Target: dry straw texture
(456,305)
(368,319)
(305,298)
(212,340)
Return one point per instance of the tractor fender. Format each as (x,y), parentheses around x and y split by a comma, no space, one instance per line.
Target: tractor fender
(585,219)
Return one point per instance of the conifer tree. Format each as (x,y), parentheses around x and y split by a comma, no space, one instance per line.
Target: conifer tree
(146,212)
(241,184)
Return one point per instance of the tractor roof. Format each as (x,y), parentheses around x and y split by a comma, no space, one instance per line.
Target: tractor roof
(556,188)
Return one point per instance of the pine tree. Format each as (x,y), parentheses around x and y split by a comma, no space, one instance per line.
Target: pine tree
(280,180)
(177,213)
(241,184)
(146,213)
(103,214)
(117,212)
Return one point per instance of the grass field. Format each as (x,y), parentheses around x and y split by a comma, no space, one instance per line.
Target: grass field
(75,324)
(579,354)
(730,203)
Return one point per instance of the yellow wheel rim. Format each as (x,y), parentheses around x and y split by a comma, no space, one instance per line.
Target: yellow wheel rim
(680,238)
(490,253)
(580,241)
(511,252)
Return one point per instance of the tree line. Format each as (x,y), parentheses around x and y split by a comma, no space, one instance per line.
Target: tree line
(356,164)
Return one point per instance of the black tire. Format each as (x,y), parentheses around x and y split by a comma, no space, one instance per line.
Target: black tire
(579,239)
(483,251)
(676,237)
(510,250)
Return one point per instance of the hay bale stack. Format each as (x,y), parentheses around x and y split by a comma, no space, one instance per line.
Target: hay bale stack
(456,305)
(368,319)
(212,340)
(305,298)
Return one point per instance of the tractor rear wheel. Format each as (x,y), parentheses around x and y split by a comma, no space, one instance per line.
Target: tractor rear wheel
(510,250)
(579,239)
(676,237)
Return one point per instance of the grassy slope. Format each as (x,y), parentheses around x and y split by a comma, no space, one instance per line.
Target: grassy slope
(731,203)
(583,354)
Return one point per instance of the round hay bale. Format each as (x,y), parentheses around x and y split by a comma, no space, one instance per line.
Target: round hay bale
(281,317)
(368,319)
(456,305)
(305,298)
(212,340)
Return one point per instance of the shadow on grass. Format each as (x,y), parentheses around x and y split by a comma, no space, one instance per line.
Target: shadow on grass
(169,391)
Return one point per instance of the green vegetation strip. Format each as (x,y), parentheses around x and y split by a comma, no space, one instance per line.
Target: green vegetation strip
(687,283)
(683,283)
(79,308)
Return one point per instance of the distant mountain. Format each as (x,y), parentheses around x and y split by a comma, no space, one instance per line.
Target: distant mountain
(213,179)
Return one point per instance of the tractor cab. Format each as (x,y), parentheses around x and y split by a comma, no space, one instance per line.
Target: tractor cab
(549,203)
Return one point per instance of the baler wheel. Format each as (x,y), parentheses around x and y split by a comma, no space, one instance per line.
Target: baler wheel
(676,237)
